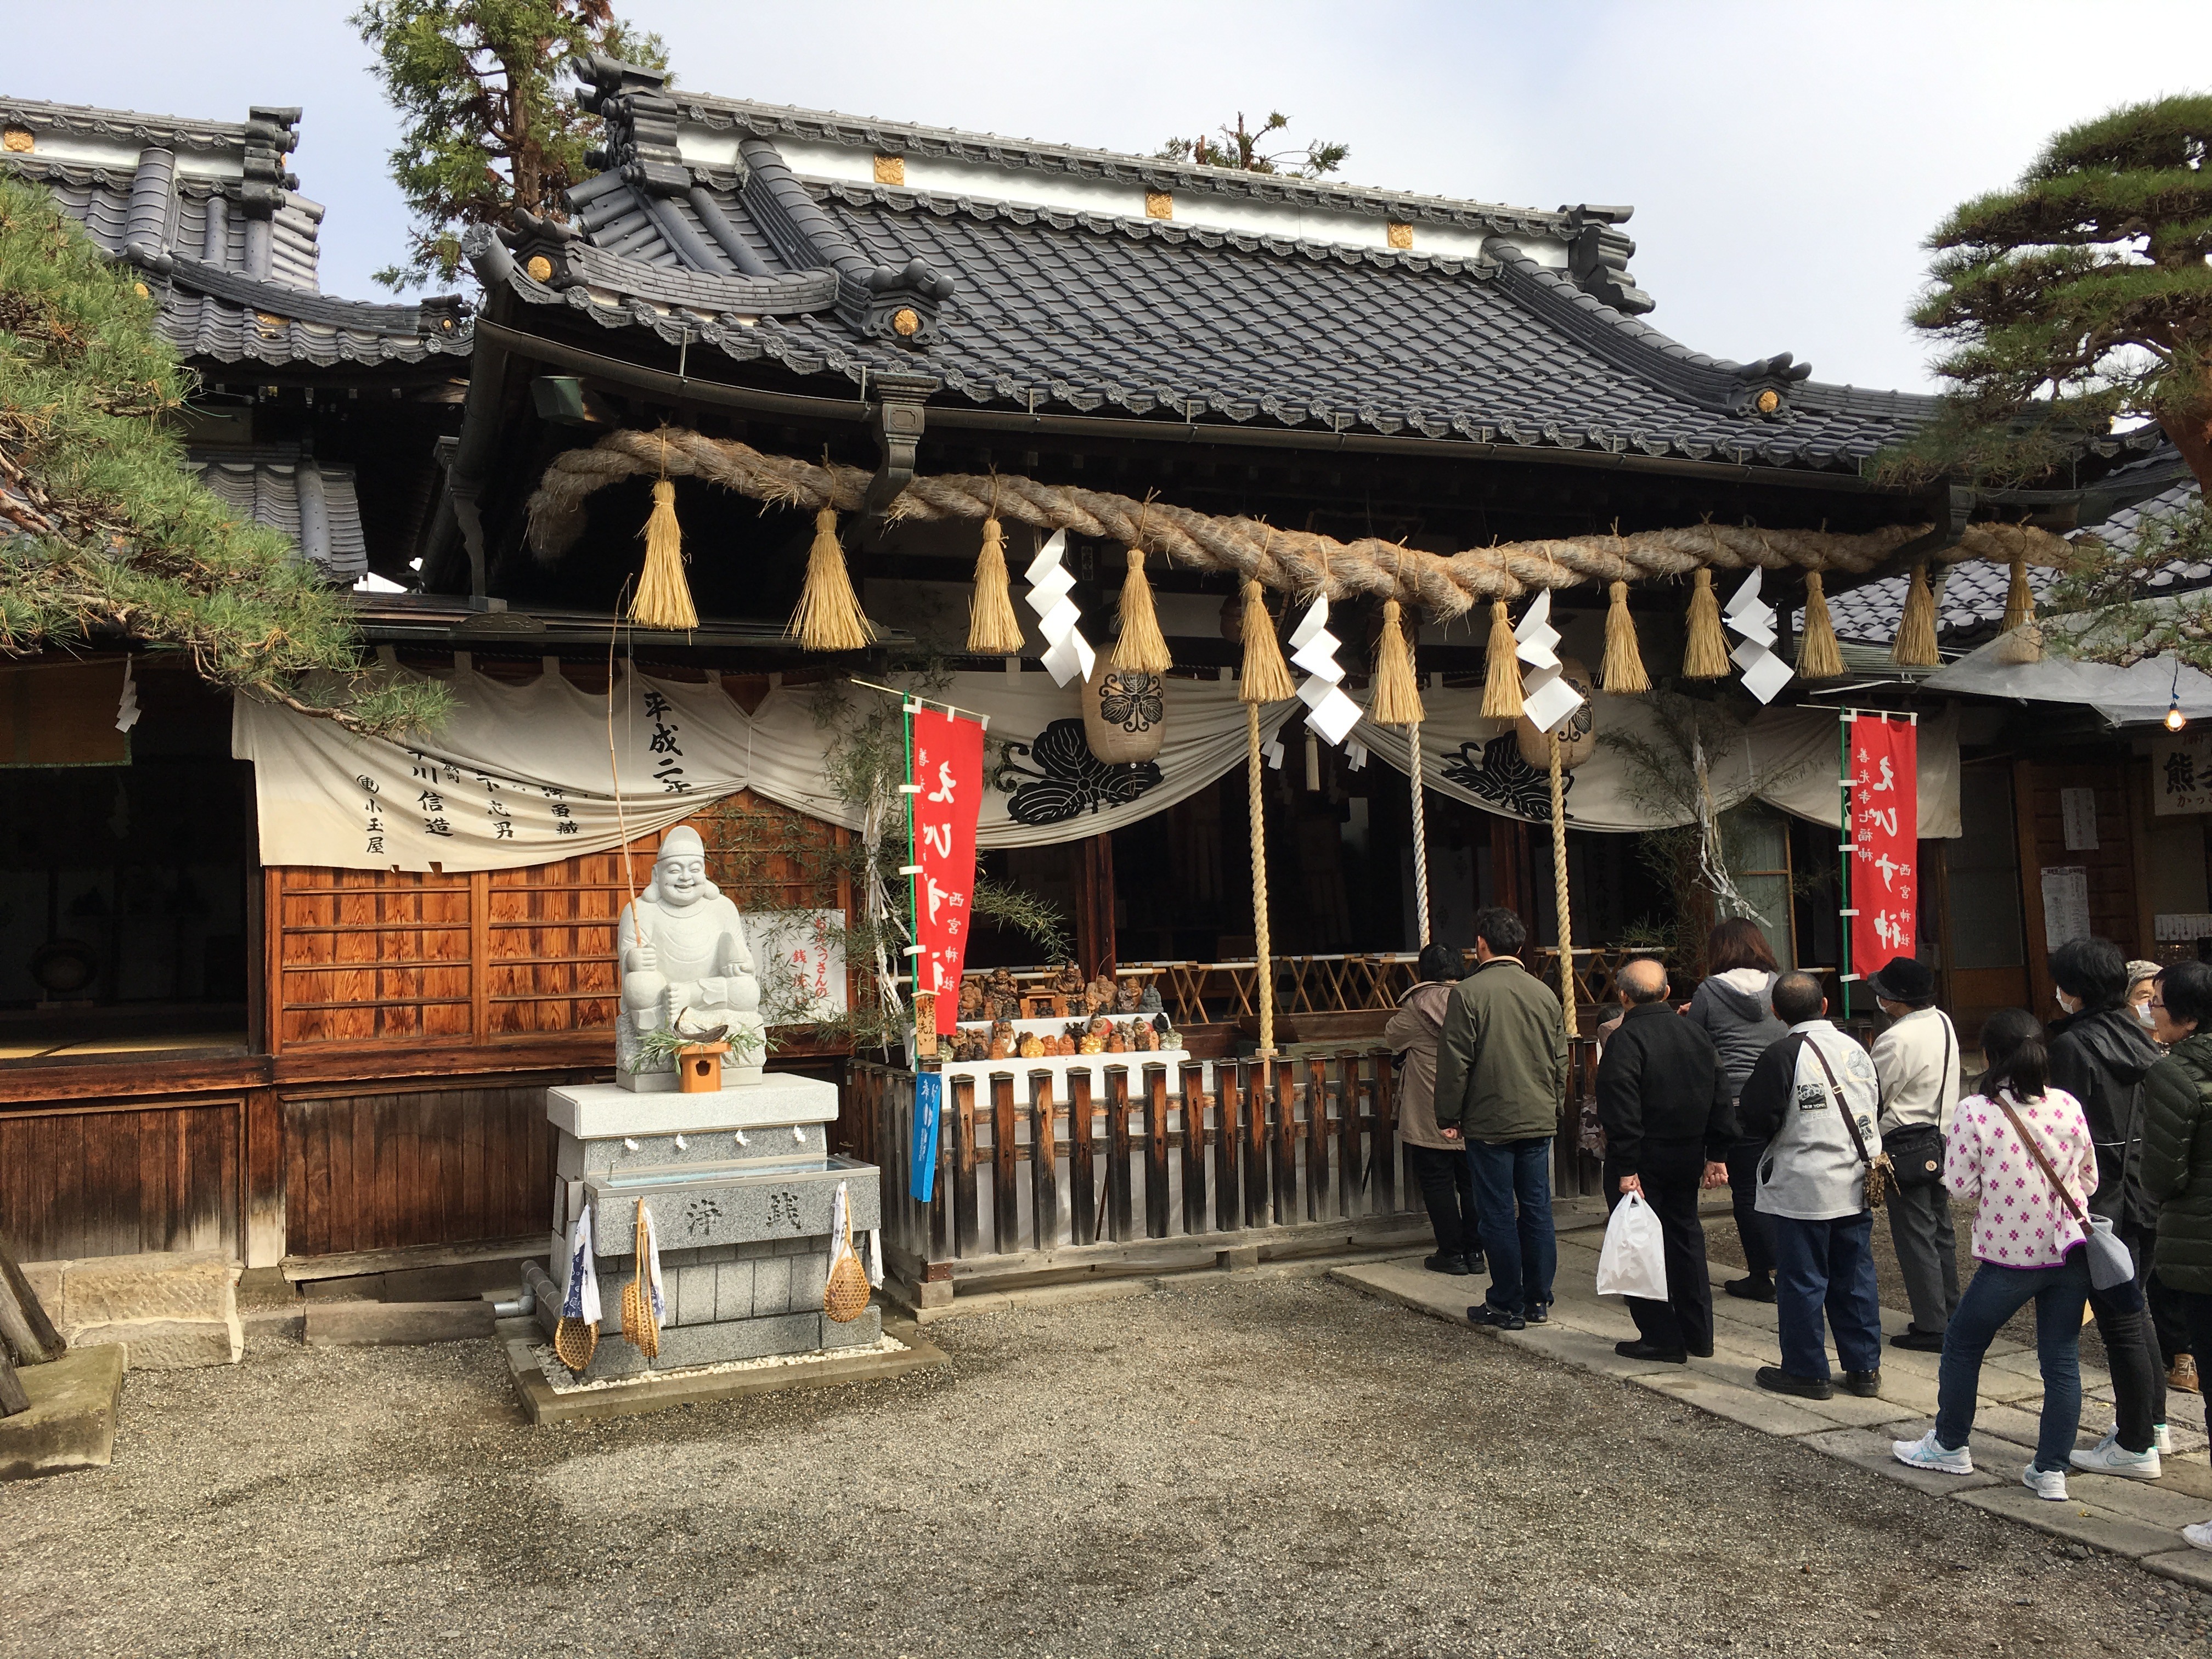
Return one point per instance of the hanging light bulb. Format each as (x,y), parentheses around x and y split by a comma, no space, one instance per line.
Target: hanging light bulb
(2175,720)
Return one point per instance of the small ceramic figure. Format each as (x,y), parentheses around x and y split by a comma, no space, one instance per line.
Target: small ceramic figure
(1098,996)
(971,999)
(1068,981)
(1126,999)
(1150,1002)
(1002,1040)
(1032,1047)
(1004,993)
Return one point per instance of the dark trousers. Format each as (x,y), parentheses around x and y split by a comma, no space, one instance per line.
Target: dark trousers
(1826,1267)
(1673,1178)
(2194,1309)
(1513,1203)
(1993,1295)
(2167,1322)
(2132,1348)
(1754,1229)
(1446,1183)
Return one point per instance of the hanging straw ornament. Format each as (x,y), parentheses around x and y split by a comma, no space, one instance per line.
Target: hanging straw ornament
(1397,700)
(829,616)
(845,1292)
(1915,629)
(1623,664)
(1141,648)
(1704,652)
(641,1323)
(1265,677)
(663,600)
(1819,656)
(1501,684)
(2020,598)
(993,629)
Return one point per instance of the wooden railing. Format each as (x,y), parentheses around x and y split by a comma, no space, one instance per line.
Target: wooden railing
(1210,993)
(1303,1152)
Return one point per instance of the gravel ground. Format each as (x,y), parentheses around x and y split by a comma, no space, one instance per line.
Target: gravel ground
(1244,1465)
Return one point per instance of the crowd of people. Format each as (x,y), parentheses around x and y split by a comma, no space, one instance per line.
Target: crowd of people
(2085,1148)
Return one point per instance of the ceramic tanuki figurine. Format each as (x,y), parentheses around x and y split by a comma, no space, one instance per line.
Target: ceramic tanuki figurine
(681,946)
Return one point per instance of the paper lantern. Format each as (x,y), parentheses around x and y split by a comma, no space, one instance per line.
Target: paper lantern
(1577,735)
(1124,712)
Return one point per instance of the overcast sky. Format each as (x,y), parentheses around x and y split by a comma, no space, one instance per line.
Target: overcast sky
(1784,161)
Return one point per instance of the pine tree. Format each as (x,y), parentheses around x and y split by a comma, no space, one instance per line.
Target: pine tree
(488,126)
(2080,297)
(1239,149)
(105,537)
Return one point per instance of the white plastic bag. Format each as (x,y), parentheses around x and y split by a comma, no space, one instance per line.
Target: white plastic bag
(1634,1259)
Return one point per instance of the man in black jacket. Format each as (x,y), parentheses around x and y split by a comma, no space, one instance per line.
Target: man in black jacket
(1668,1121)
(2100,1055)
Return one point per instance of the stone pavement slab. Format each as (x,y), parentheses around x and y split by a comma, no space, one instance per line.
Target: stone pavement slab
(2138,1519)
(2187,1565)
(2085,1524)
(1870,1450)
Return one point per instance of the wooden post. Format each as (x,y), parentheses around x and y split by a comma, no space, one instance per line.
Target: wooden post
(1191,1081)
(1083,1212)
(1509,865)
(1094,907)
(28,1337)
(1044,1164)
(1228,1148)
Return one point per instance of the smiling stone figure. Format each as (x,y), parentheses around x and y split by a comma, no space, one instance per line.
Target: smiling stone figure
(681,948)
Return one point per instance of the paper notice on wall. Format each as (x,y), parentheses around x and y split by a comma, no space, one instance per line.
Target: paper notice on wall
(809,948)
(2078,808)
(2065,904)
(2179,928)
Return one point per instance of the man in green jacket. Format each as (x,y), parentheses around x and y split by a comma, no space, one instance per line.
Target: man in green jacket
(1501,1080)
(2177,1156)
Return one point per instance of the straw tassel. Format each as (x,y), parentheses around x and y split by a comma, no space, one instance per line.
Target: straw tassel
(829,616)
(1704,654)
(663,600)
(1397,694)
(1141,648)
(1819,656)
(1501,686)
(1915,629)
(1623,667)
(994,630)
(1266,679)
(2020,598)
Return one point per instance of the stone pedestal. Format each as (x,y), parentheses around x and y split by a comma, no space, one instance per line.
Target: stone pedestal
(740,1184)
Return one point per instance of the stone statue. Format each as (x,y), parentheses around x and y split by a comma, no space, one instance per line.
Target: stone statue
(681,946)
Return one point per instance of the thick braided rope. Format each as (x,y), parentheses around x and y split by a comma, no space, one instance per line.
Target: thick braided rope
(1559,887)
(1440,585)
(1420,840)
(1264,988)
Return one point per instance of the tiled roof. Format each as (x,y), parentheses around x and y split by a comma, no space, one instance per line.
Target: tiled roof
(1972,601)
(207,211)
(311,501)
(1038,306)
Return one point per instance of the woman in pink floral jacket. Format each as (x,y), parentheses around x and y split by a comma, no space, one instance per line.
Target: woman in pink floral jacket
(2027,1239)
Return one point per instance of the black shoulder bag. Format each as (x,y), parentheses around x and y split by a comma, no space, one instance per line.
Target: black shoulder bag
(1917,1152)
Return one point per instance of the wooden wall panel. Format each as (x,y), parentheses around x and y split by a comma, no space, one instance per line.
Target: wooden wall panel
(99,1182)
(370,957)
(379,1171)
(2114,911)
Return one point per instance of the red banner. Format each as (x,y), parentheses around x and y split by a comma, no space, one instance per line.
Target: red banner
(945,794)
(1885,840)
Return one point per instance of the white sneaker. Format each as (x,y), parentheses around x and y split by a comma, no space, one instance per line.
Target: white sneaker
(2044,1483)
(1927,1453)
(2160,1437)
(2108,1456)
(2200,1535)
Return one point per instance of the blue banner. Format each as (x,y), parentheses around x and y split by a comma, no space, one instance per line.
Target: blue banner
(928,1103)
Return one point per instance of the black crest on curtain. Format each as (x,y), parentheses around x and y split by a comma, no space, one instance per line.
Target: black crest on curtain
(1065,778)
(1498,775)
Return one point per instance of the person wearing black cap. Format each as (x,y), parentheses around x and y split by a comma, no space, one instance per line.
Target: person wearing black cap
(1917,1059)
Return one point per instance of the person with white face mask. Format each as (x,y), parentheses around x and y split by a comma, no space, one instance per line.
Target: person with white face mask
(2100,1055)
(2142,985)
(2171,1330)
